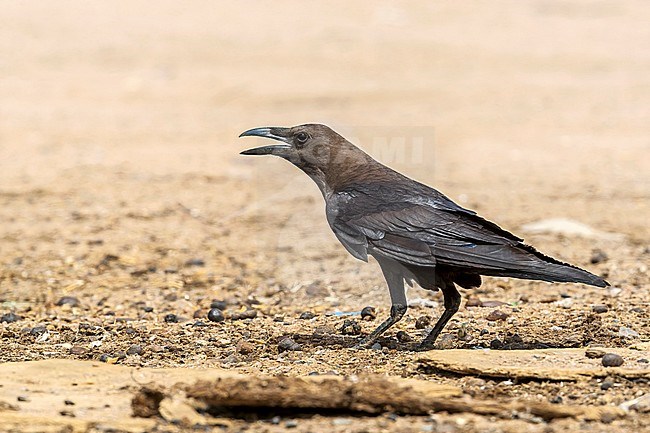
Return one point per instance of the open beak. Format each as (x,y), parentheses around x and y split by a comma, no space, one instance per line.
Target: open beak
(280,134)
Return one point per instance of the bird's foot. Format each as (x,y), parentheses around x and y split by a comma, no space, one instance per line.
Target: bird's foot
(424,347)
(365,343)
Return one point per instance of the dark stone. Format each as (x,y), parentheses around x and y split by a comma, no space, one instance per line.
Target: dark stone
(215,315)
(135,349)
(496,344)
(287,344)
(68,300)
(38,330)
(171,318)
(307,315)
(350,327)
(422,322)
(600,309)
(403,337)
(368,313)
(195,262)
(598,256)
(606,385)
(10,318)
(612,360)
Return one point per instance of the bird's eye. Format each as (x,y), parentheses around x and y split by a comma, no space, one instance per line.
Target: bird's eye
(302,137)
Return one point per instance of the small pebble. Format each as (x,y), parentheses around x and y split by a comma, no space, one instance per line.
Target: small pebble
(68,300)
(422,322)
(608,417)
(197,314)
(462,332)
(157,348)
(68,402)
(350,327)
(643,361)
(496,344)
(215,315)
(497,315)
(216,303)
(446,341)
(195,262)
(612,360)
(10,318)
(492,304)
(368,313)
(292,423)
(307,315)
(598,256)
(606,385)
(403,337)
(376,346)
(245,348)
(324,330)
(171,318)
(247,314)
(78,350)
(38,330)
(594,353)
(636,310)
(230,359)
(600,309)
(147,309)
(135,349)
(626,332)
(22,398)
(556,400)
(287,343)
(565,303)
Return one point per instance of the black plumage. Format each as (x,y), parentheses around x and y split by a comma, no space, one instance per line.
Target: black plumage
(416,233)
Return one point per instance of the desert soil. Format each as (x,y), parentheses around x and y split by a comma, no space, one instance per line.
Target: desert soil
(126,210)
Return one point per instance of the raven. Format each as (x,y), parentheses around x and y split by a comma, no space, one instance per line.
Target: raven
(415,233)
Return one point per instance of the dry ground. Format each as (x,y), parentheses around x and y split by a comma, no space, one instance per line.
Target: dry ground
(121,183)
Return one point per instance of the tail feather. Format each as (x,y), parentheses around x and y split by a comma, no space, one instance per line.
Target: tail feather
(547,268)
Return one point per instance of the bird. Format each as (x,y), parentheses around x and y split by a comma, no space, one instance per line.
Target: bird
(414,232)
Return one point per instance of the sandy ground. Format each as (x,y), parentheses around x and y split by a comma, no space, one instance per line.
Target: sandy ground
(121,185)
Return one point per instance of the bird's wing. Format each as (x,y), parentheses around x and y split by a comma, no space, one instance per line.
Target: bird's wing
(421,231)
(429,229)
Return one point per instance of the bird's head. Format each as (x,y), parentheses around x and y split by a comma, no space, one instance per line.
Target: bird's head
(310,147)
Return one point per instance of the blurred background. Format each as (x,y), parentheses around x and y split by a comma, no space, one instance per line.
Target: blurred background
(119,124)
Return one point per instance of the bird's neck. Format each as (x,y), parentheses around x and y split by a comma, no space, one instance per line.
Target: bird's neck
(345,170)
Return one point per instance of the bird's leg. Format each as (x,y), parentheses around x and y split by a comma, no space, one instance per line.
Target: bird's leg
(397,311)
(395,282)
(452,303)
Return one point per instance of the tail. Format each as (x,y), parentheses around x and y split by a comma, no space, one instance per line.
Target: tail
(539,266)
